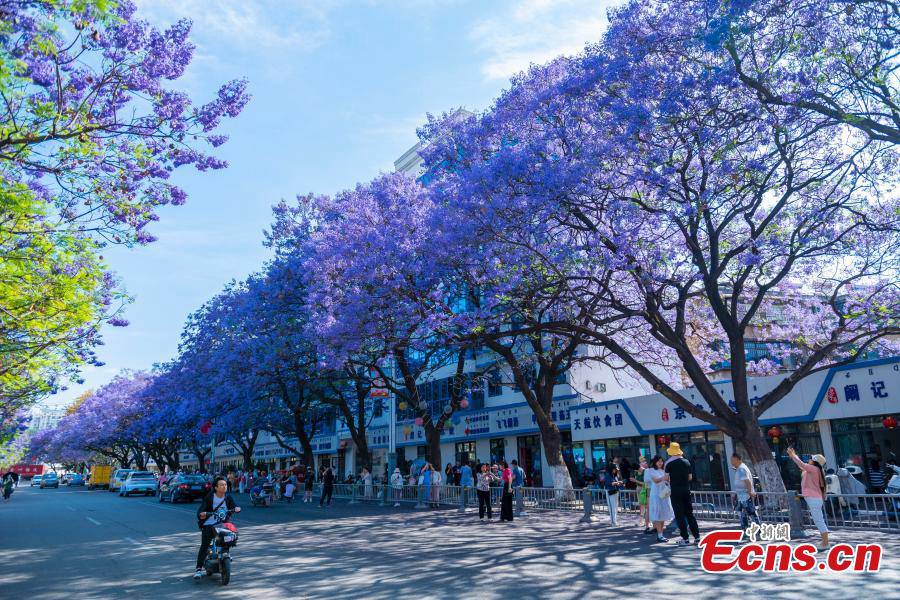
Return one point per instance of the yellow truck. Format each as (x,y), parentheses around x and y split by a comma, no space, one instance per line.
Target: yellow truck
(99,477)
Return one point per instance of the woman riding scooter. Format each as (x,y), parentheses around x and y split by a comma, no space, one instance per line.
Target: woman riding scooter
(206,520)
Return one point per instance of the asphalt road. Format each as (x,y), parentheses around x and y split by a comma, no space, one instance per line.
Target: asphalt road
(72,543)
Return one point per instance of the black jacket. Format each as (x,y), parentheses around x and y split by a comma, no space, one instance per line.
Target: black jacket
(207,505)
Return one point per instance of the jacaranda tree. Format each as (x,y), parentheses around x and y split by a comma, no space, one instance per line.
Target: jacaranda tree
(91,129)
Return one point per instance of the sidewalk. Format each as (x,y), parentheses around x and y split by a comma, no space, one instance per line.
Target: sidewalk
(349,551)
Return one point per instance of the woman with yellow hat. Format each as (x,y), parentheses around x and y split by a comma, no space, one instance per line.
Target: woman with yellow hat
(812,488)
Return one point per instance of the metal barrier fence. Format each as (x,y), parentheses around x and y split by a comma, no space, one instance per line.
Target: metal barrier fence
(868,511)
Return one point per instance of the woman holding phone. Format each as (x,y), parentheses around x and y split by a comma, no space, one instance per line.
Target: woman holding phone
(812,488)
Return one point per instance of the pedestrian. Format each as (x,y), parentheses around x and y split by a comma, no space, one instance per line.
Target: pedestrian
(506,477)
(436,483)
(518,475)
(327,487)
(876,477)
(242,482)
(812,488)
(483,489)
(367,484)
(230,480)
(659,502)
(397,486)
(639,483)
(457,474)
(496,484)
(7,487)
(448,474)
(466,478)
(276,486)
(614,483)
(679,476)
(308,487)
(289,491)
(426,483)
(625,473)
(742,485)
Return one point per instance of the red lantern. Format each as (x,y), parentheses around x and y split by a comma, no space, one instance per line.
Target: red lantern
(774,433)
(889,421)
(464,404)
(419,421)
(206,428)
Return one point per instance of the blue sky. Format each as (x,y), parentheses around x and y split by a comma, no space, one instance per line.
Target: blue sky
(339,88)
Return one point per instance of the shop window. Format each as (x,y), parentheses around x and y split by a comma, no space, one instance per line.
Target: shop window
(476,392)
(495,383)
(465,453)
(498,450)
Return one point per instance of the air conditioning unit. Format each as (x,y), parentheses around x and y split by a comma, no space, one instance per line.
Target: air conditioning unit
(600,387)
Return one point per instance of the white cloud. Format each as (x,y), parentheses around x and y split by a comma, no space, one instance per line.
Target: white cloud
(266,24)
(536,31)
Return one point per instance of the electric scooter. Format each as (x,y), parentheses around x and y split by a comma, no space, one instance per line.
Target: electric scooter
(218,559)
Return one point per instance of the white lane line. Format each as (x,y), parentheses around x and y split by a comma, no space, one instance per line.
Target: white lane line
(128,539)
(189,510)
(72,508)
(94,521)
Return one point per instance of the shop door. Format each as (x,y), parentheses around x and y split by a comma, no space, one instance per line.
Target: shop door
(530,459)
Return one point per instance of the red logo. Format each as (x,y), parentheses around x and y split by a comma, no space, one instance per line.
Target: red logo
(719,555)
(831,395)
(665,414)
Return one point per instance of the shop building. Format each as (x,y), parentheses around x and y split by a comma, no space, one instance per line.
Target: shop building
(850,414)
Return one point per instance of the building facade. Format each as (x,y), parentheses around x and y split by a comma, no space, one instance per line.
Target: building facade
(842,413)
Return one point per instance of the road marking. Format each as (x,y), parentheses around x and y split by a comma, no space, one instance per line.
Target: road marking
(72,508)
(94,521)
(128,539)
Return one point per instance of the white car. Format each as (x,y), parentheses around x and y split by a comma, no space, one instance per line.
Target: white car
(117,478)
(36,480)
(139,482)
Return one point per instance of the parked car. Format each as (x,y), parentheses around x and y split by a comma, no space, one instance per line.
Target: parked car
(76,479)
(183,487)
(36,480)
(49,480)
(138,482)
(117,478)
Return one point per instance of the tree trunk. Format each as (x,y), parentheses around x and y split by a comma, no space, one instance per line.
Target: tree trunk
(173,461)
(304,438)
(140,460)
(557,473)
(432,444)
(760,456)
(201,457)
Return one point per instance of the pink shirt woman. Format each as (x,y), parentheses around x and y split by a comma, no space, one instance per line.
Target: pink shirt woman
(811,483)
